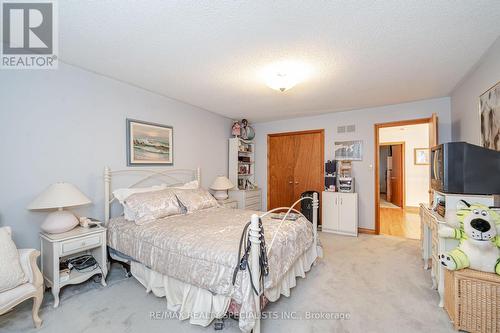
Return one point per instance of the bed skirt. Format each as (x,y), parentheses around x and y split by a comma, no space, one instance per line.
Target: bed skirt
(200,306)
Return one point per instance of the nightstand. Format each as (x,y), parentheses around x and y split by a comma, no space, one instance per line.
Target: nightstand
(73,243)
(228,203)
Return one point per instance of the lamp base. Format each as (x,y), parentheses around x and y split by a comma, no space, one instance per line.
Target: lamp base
(220,195)
(59,221)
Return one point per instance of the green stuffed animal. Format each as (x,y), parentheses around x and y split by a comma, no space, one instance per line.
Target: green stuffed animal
(479,236)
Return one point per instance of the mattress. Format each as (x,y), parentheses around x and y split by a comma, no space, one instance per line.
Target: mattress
(201,248)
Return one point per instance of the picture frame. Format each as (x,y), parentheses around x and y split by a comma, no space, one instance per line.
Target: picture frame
(149,144)
(422,156)
(348,150)
(489,113)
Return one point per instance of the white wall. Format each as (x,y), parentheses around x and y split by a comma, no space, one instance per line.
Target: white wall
(465,97)
(67,124)
(416,176)
(364,120)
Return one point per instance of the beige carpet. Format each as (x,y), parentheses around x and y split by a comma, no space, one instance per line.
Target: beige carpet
(377,280)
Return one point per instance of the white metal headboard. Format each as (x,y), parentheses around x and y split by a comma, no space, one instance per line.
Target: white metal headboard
(171,177)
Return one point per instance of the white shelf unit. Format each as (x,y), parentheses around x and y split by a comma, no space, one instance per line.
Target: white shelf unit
(242,156)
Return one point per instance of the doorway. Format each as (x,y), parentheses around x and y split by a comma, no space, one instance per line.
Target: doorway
(402,182)
(392,174)
(295,164)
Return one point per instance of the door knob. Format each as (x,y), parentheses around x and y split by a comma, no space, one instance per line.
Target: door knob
(296,183)
(290,182)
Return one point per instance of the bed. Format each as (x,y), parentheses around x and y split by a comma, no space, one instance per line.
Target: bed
(192,259)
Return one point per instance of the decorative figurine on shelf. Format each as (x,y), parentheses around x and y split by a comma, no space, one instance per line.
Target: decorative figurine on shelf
(236,129)
(249,185)
(479,237)
(247,132)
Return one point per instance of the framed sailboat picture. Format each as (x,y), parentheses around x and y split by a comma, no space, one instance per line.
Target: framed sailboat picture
(149,143)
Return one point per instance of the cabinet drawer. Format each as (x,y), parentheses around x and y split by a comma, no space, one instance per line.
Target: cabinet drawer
(82,243)
(253,207)
(252,201)
(252,194)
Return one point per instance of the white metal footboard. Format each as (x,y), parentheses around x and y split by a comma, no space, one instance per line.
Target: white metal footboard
(254,233)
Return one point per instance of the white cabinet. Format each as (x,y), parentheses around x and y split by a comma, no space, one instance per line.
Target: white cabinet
(431,222)
(340,213)
(247,199)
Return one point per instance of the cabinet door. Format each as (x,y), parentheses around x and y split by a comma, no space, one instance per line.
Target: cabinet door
(348,214)
(329,210)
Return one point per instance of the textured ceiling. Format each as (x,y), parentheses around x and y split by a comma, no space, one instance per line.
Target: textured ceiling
(210,53)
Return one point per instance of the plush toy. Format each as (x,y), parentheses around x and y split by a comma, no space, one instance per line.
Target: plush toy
(479,236)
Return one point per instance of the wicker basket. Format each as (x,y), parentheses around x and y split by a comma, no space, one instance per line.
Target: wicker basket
(472,300)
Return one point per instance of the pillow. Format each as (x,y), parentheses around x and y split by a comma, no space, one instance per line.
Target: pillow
(148,206)
(196,199)
(123,193)
(192,185)
(11,272)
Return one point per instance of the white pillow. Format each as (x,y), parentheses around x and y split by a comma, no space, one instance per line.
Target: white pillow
(123,193)
(11,272)
(150,206)
(196,199)
(192,185)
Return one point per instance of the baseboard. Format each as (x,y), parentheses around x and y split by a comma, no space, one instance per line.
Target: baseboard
(366,231)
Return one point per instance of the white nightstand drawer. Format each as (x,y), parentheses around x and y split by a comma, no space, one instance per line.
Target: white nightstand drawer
(79,244)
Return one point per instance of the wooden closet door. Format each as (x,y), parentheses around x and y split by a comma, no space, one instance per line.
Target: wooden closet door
(281,163)
(397,174)
(309,163)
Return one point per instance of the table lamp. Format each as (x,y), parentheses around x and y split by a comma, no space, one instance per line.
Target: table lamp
(221,184)
(58,196)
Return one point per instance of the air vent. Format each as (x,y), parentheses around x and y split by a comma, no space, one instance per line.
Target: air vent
(341,129)
(351,128)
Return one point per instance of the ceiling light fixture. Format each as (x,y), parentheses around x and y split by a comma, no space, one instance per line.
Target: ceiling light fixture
(281,82)
(285,75)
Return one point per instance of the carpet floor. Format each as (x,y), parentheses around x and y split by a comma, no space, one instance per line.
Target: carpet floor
(364,284)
